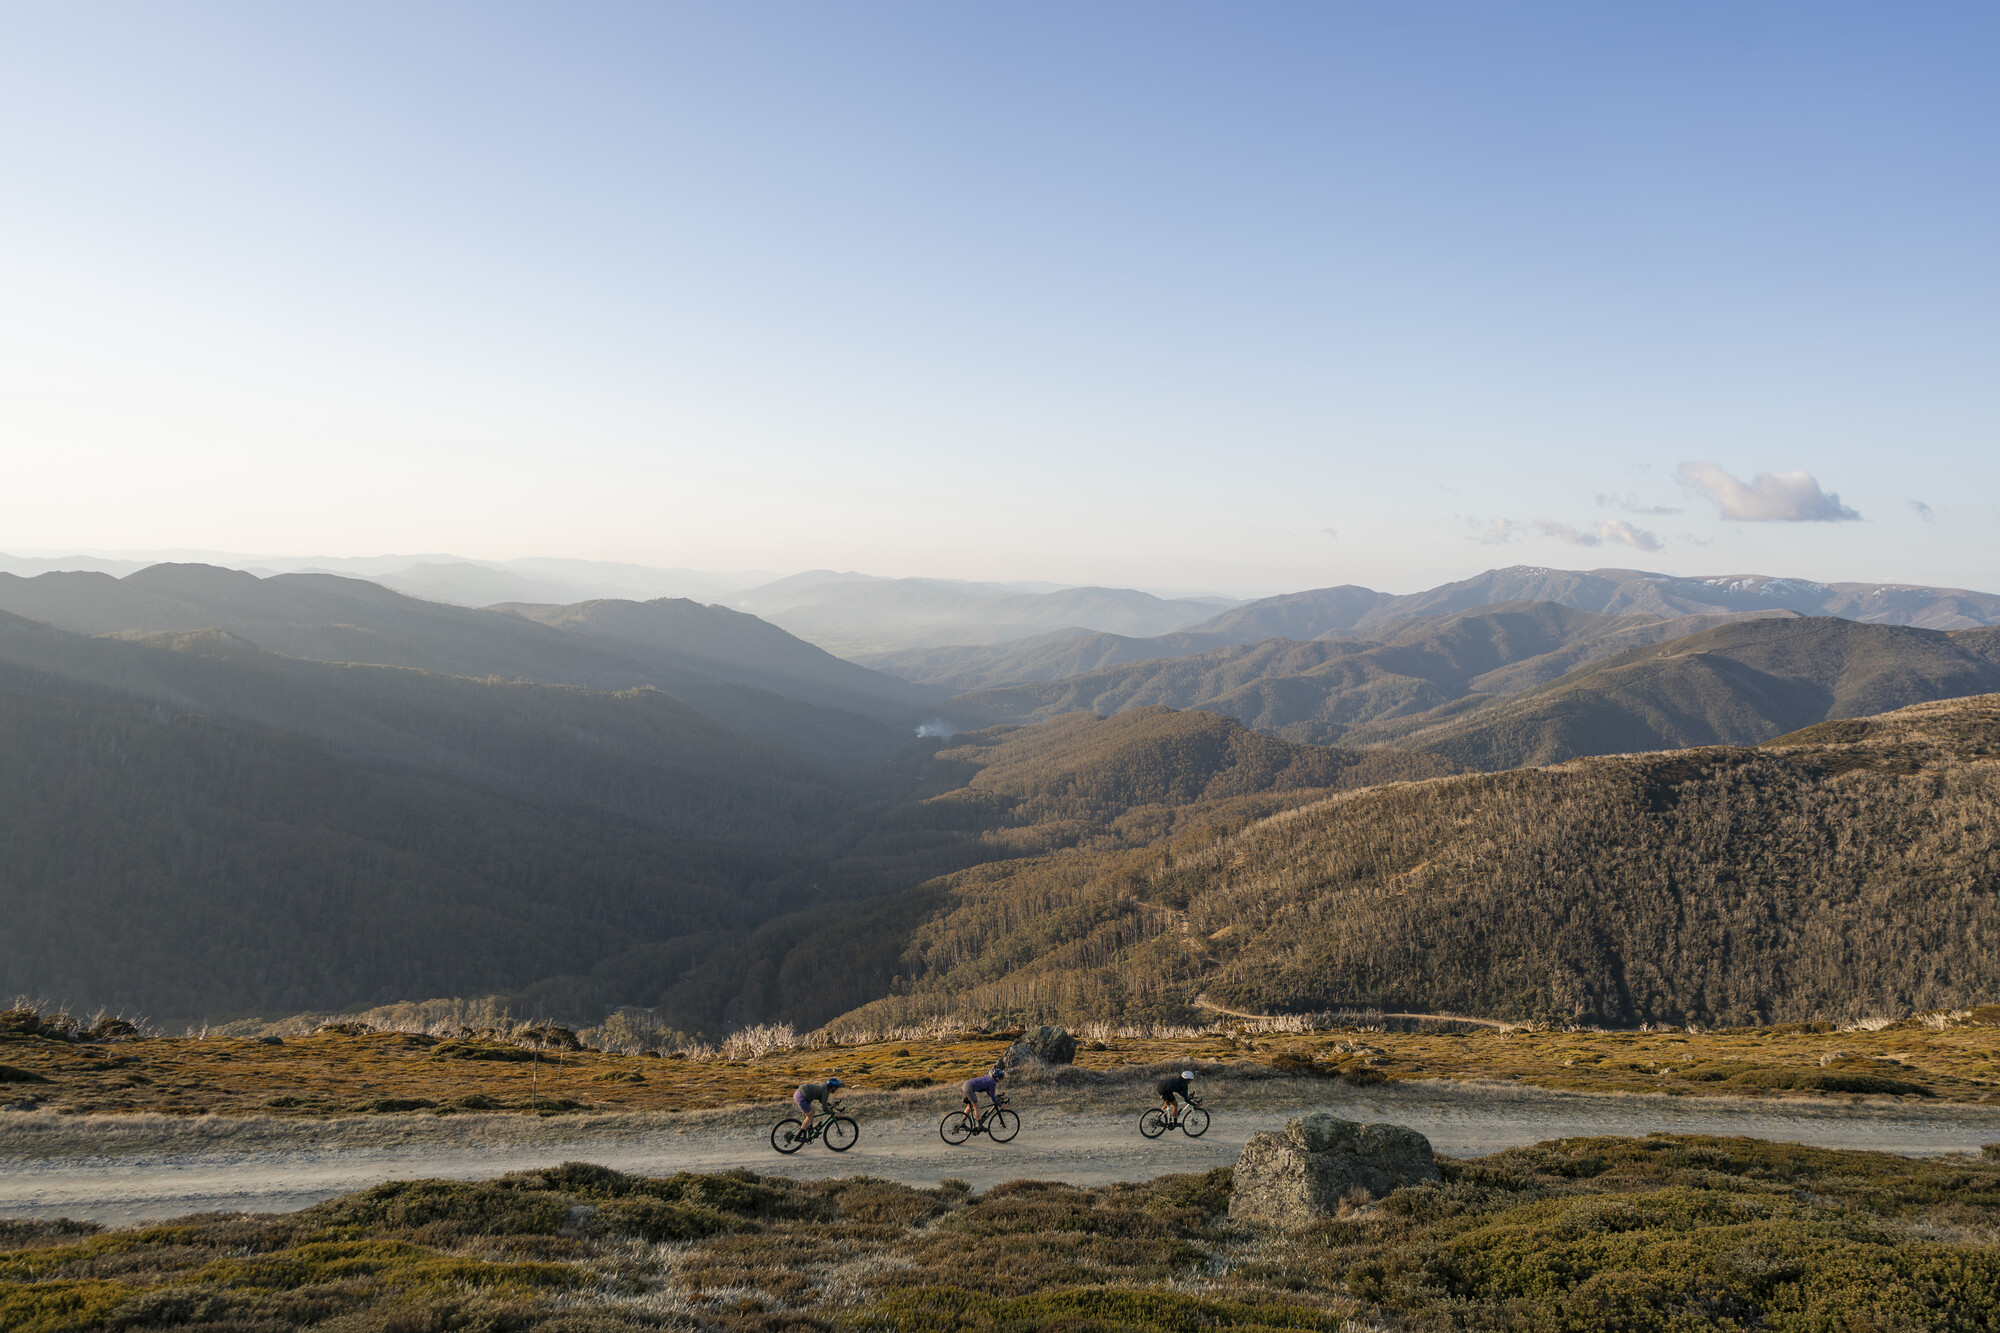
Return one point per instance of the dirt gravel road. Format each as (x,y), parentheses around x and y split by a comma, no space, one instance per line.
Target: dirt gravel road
(121,1170)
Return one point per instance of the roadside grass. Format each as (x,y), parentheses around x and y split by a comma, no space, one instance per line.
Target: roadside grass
(346,1070)
(1677,1232)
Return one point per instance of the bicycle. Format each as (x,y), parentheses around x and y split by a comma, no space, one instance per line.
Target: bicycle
(958,1127)
(835,1126)
(1193,1121)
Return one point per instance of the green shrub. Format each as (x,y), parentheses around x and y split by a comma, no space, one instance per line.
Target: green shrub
(59,1307)
(952,1309)
(1822,1080)
(444,1209)
(17,1233)
(656,1220)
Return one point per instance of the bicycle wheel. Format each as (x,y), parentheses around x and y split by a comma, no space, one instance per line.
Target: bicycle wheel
(841,1133)
(1152,1124)
(1194,1122)
(1003,1125)
(955,1128)
(788,1135)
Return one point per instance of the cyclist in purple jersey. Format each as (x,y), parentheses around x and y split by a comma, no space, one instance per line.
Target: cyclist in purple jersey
(986,1083)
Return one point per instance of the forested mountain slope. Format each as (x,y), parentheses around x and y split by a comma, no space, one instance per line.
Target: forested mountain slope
(1738,684)
(1076,783)
(1317,692)
(334,619)
(1850,869)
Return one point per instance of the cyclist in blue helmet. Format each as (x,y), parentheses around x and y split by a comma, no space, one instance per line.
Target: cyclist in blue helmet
(822,1093)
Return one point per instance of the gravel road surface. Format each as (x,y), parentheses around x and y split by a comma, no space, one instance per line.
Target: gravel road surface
(126,1169)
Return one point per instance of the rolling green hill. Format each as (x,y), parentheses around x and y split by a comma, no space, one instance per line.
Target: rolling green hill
(1850,869)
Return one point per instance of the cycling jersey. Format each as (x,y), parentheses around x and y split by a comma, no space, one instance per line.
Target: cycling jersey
(810,1093)
(985,1083)
(1173,1085)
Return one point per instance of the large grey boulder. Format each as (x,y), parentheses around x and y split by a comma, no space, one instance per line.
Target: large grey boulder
(1041,1046)
(1302,1173)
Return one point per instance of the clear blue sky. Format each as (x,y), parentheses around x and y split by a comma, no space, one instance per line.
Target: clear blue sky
(1240,297)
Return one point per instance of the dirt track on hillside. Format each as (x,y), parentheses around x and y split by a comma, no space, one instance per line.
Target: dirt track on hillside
(134,1168)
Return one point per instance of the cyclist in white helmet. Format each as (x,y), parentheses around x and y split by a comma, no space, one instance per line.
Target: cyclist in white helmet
(1173,1088)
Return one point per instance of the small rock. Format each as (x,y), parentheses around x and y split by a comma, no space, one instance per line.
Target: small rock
(1301,1174)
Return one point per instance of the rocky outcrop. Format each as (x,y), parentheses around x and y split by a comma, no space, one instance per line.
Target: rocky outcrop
(1302,1173)
(1041,1046)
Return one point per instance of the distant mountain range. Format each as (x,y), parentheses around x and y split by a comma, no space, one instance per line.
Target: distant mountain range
(1349,611)
(854,615)
(1470,673)
(1316,691)
(437,578)
(731,666)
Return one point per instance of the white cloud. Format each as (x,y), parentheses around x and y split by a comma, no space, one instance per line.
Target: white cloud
(1611,530)
(1924,511)
(1783,497)
(1500,532)
(1332,532)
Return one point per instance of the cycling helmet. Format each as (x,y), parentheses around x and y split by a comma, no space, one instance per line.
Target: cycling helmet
(836,1082)
(1188,1074)
(998,1072)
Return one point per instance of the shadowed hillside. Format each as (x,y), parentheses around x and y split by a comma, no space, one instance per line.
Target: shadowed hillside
(1854,868)
(191,826)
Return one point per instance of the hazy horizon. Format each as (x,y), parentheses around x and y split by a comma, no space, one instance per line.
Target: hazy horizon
(727,583)
(1156,297)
